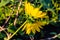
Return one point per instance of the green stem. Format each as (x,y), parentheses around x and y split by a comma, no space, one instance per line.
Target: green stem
(18,29)
(40,6)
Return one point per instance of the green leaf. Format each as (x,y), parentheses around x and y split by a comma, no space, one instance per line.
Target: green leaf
(12,0)
(2,35)
(53,33)
(46,3)
(11,31)
(4,2)
(21,32)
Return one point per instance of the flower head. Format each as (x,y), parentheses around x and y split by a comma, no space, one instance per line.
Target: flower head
(33,12)
(32,27)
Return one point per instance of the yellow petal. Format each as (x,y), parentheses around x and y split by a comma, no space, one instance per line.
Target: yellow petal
(37,28)
(33,29)
(42,15)
(28,31)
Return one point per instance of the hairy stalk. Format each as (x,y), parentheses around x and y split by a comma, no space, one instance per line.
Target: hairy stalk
(18,29)
(50,38)
(31,38)
(20,2)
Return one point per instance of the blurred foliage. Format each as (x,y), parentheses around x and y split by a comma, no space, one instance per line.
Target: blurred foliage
(9,11)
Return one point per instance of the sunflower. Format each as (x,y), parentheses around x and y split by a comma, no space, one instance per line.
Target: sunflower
(32,27)
(34,12)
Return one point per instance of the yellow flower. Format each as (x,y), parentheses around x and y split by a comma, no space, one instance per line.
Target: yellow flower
(32,11)
(28,8)
(32,27)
